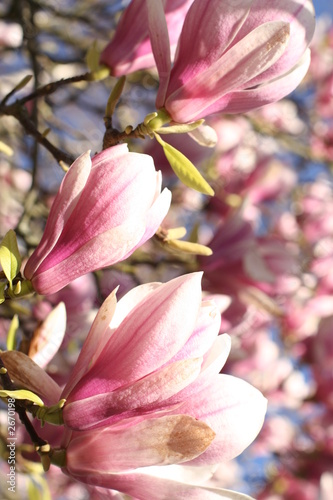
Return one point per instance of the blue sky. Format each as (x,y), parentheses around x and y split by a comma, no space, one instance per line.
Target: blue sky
(322,6)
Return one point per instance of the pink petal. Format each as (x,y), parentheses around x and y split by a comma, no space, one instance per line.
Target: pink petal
(119,207)
(130,301)
(130,49)
(142,396)
(159,39)
(160,441)
(94,343)
(100,251)
(245,60)
(234,409)
(213,363)
(64,204)
(246,100)
(300,16)
(155,215)
(125,53)
(142,485)
(149,336)
(204,334)
(215,25)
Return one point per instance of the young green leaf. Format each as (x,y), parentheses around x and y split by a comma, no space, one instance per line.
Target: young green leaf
(22,394)
(25,80)
(188,247)
(176,233)
(10,258)
(2,292)
(12,332)
(92,57)
(180,128)
(184,168)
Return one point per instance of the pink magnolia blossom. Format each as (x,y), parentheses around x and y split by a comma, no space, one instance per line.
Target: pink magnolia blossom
(232,56)
(147,386)
(130,48)
(105,209)
(162,345)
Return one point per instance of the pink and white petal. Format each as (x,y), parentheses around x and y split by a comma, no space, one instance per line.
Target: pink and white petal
(235,410)
(214,361)
(159,39)
(246,100)
(160,441)
(155,215)
(58,271)
(301,17)
(125,176)
(141,485)
(217,356)
(204,334)
(144,396)
(215,24)
(94,343)
(64,204)
(150,335)
(131,300)
(251,56)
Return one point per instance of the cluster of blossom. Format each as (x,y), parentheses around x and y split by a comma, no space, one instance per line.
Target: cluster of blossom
(135,387)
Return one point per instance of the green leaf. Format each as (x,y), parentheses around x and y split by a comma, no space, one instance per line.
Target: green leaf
(188,247)
(184,168)
(25,80)
(176,233)
(2,292)
(180,128)
(92,57)
(22,394)
(11,344)
(10,258)
(115,96)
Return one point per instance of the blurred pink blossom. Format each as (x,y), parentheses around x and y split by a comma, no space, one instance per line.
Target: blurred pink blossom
(14,185)
(11,34)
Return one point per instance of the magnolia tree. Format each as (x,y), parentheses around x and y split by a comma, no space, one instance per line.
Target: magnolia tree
(158,292)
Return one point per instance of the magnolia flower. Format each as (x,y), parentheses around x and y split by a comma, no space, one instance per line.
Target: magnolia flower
(130,49)
(146,391)
(105,209)
(232,55)
(161,344)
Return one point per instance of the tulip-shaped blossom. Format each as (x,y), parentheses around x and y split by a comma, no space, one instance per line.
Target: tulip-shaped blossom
(105,209)
(130,48)
(146,391)
(232,55)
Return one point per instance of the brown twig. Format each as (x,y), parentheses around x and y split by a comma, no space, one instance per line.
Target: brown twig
(53,86)
(18,112)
